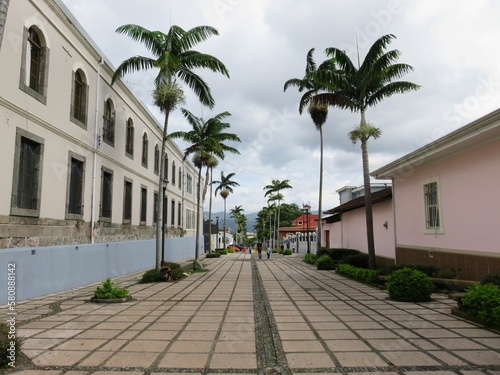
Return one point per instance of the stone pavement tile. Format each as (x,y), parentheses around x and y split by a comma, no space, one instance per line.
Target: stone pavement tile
(80,344)
(479,357)
(202,326)
(206,319)
(409,358)
(233,361)
(423,344)
(309,360)
(292,326)
(373,373)
(127,335)
(237,335)
(194,335)
(235,346)
(190,347)
(112,325)
(59,357)
(295,335)
(302,346)
(42,324)
(347,346)
(337,334)
(435,333)
(156,335)
(463,372)
(236,327)
(131,359)
(77,325)
(377,334)
(328,325)
(179,373)
(475,332)
(448,358)
(440,372)
(493,343)
(95,359)
(183,360)
(98,334)
(458,343)
(59,333)
(359,359)
(40,343)
(76,373)
(172,319)
(170,326)
(153,346)
(387,345)
(32,353)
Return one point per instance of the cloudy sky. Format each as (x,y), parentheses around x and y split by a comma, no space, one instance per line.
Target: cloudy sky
(452,45)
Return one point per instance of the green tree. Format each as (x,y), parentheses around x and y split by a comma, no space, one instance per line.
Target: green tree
(312,85)
(374,80)
(276,187)
(174,58)
(225,186)
(237,214)
(207,139)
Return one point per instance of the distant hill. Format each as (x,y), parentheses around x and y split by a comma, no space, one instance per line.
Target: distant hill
(230,223)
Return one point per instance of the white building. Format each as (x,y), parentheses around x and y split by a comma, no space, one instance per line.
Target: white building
(74,149)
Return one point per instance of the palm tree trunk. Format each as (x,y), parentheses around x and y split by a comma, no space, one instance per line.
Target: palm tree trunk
(198,209)
(210,214)
(368,206)
(320,202)
(224,238)
(159,203)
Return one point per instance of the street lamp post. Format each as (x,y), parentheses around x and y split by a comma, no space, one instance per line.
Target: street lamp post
(307,208)
(217,223)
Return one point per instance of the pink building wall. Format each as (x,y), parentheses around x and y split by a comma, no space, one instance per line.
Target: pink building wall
(470,203)
(350,232)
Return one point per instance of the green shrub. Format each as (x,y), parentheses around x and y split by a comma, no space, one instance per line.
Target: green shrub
(359,260)
(324,262)
(212,255)
(178,273)
(429,270)
(483,301)
(408,283)
(276,251)
(221,251)
(172,265)
(287,252)
(109,291)
(9,353)
(310,258)
(336,253)
(492,279)
(362,274)
(152,276)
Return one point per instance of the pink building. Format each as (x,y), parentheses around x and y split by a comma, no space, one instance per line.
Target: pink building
(346,225)
(446,201)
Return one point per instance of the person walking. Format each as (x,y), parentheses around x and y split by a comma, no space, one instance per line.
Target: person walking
(268,252)
(259,249)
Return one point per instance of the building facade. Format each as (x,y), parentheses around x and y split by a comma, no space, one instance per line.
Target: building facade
(80,158)
(446,209)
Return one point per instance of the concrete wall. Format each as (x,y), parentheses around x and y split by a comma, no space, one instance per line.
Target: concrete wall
(45,270)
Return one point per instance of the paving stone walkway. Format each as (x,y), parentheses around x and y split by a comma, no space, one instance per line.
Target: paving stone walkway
(251,316)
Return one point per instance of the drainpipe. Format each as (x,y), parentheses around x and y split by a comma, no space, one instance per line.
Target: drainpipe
(94,154)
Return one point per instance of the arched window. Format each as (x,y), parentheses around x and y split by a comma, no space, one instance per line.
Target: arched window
(34,64)
(157,160)
(173,173)
(129,138)
(165,167)
(180,178)
(108,129)
(79,98)
(145,143)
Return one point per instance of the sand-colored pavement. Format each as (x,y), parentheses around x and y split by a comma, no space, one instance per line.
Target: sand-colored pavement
(251,316)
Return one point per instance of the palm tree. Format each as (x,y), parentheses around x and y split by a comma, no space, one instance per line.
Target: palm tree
(225,186)
(236,213)
(313,85)
(207,139)
(374,80)
(275,187)
(174,59)
(211,164)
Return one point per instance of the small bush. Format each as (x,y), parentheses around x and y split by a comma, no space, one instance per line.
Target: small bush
(221,251)
(287,252)
(359,260)
(276,251)
(152,276)
(362,274)
(324,262)
(430,271)
(178,273)
(7,337)
(492,279)
(310,258)
(109,291)
(336,253)
(212,255)
(408,283)
(229,251)
(483,301)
